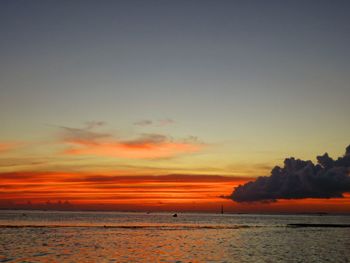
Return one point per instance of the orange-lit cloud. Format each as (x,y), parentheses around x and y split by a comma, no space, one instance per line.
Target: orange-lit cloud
(153,192)
(148,146)
(7,146)
(51,190)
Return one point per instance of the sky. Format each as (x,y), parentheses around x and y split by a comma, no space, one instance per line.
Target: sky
(168,105)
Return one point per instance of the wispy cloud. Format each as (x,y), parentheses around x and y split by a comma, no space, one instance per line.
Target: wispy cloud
(160,122)
(94,124)
(82,135)
(143,123)
(86,141)
(164,122)
(8,146)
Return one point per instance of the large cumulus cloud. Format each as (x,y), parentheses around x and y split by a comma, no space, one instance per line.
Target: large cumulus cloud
(299,179)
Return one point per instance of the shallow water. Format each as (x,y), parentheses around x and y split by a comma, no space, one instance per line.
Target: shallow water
(158,237)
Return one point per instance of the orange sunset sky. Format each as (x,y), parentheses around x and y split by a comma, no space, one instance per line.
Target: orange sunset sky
(170,105)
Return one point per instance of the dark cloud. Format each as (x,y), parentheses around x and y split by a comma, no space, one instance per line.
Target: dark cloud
(160,178)
(299,179)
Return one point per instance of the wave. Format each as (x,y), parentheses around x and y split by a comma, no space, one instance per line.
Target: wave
(320,225)
(177,227)
(162,227)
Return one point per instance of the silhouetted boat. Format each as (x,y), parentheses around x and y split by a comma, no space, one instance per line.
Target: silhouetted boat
(174,215)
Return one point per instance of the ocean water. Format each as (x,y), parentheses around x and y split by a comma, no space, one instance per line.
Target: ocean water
(35,236)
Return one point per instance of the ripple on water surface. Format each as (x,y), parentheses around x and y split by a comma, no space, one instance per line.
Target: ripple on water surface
(161,238)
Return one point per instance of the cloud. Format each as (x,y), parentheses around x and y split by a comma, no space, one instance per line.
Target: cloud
(4,147)
(146,141)
(86,141)
(94,124)
(160,122)
(83,136)
(143,123)
(116,189)
(164,122)
(24,161)
(8,146)
(146,146)
(299,179)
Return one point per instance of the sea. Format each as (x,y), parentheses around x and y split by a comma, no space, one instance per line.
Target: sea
(48,236)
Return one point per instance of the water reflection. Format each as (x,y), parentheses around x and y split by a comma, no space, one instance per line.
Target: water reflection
(163,239)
